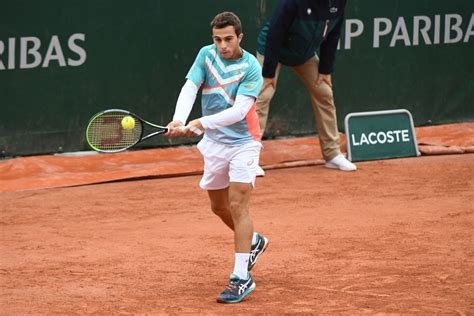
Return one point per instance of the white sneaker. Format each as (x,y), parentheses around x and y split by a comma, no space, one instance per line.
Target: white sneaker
(340,162)
(260,172)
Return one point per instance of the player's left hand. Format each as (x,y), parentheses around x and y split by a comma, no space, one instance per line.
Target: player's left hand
(324,78)
(194,128)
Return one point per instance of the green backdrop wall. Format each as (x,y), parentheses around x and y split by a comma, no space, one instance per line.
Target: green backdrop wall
(62,61)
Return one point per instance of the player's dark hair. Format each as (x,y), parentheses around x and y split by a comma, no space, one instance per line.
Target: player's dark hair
(225,19)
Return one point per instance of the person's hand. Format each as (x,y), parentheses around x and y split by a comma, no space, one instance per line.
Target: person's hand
(175,129)
(267,82)
(194,128)
(324,78)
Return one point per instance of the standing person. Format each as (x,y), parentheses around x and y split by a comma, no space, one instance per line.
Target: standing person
(296,31)
(230,79)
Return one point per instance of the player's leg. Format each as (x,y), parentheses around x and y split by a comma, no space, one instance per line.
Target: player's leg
(324,109)
(242,171)
(242,164)
(215,178)
(220,205)
(239,197)
(240,283)
(234,212)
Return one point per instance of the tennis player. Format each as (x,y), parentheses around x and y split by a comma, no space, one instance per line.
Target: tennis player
(230,79)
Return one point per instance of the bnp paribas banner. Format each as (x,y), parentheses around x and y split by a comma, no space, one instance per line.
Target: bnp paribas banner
(408,54)
(63,61)
(69,53)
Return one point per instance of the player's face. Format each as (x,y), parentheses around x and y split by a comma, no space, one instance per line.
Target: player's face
(227,42)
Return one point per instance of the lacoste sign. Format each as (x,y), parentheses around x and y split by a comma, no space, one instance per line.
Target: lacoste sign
(380,135)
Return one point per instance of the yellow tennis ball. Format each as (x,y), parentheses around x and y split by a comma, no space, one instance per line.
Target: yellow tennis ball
(128,122)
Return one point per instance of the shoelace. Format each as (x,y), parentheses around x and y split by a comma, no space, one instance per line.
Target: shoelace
(232,284)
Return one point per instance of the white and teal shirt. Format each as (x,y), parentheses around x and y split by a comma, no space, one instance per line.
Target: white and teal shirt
(221,81)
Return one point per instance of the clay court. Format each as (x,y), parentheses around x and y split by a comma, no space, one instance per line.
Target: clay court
(393,237)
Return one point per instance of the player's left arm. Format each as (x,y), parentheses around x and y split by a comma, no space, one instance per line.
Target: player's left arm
(234,114)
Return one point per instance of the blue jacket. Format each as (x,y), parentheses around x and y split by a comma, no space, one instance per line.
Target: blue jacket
(297,30)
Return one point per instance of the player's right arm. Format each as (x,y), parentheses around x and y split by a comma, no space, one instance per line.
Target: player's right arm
(187,96)
(184,105)
(229,116)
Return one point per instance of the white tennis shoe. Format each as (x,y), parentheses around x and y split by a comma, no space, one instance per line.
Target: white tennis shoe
(340,162)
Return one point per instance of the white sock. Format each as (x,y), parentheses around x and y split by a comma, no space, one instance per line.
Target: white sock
(254,238)
(241,265)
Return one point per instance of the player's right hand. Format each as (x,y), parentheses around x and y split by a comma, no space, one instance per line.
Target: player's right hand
(175,129)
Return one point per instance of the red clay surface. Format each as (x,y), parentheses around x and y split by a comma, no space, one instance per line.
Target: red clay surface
(394,237)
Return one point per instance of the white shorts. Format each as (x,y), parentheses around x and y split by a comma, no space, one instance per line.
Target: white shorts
(224,164)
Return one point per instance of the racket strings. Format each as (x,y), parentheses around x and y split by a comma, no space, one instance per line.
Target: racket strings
(105,132)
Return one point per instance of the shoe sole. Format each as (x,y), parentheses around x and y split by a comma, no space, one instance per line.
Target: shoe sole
(338,168)
(249,290)
(264,248)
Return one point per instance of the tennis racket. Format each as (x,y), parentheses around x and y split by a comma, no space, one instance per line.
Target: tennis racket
(106,133)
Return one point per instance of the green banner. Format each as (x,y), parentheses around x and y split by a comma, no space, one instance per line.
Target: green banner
(380,135)
(63,61)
